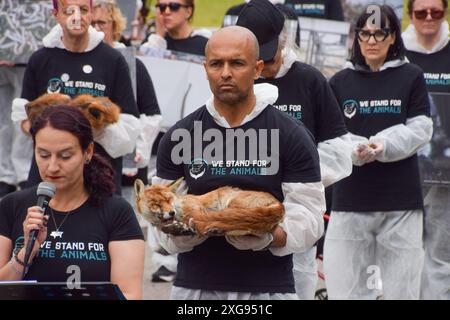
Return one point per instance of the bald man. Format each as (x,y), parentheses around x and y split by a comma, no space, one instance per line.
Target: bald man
(238,139)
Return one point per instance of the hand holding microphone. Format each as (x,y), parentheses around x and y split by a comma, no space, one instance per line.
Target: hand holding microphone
(34,226)
(35,221)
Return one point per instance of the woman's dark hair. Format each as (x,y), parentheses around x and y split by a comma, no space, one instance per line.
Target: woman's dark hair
(411,5)
(98,173)
(388,19)
(191,4)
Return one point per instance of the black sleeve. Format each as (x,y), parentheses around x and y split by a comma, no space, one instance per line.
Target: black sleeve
(335,11)
(146,96)
(235,10)
(332,82)
(329,120)
(165,168)
(6,217)
(419,102)
(122,221)
(122,93)
(301,159)
(29,88)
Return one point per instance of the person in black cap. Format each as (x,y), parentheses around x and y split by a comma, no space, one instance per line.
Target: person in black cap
(232,14)
(305,95)
(242,267)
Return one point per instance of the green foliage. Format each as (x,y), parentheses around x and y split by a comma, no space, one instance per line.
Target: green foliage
(209,13)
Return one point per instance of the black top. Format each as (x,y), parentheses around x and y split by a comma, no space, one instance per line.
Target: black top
(86,233)
(193,45)
(215,264)
(102,71)
(372,102)
(305,94)
(323,9)
(235,10)
(436,68)
(148,105)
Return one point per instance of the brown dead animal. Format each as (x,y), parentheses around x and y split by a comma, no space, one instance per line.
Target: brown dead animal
(224,211)
(100,111)
(37,106)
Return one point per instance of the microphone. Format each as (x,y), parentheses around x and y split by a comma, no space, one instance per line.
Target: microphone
(45,192)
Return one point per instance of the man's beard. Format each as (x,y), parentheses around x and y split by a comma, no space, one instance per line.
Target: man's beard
(231,98)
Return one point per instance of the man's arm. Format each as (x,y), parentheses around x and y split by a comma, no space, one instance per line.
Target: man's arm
(304,204)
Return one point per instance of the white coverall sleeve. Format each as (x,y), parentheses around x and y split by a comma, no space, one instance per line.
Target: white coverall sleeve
(150,127)
(355,140)
(304,205)
(155,41)
(18,112)
(402,141)
(119,139)
(335,159)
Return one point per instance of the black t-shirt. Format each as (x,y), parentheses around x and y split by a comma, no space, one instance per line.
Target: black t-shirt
(148,105)
(372,102)
(86,233)
(102,71)
(436,68)
(304,93)
(323,9)
(273,149)
(193,45)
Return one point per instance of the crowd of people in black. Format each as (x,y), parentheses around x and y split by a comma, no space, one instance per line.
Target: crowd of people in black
(356,135)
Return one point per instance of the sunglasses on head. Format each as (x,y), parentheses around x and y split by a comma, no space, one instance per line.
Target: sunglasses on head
(379,35)
(423,14)
(173,6)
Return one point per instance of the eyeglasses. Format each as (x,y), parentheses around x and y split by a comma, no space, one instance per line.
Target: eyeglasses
(379,35)
(173,6)
(100,23)
(423,14)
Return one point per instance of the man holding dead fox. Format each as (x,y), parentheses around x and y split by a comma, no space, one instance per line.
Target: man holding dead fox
(238,139)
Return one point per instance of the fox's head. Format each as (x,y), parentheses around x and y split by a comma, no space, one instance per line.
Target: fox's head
(100,111)
(156,203)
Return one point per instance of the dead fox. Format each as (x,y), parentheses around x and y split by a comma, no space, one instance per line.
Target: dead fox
(100,111)
(224,211)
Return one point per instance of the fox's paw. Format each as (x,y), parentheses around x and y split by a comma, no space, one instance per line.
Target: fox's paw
(215,232)
(178,228)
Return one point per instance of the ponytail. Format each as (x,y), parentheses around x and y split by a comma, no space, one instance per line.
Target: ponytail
(99,178)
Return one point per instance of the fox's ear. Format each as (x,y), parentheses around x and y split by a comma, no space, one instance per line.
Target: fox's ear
(138,187)
(174,185)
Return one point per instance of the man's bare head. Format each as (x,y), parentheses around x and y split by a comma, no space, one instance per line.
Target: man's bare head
(232,65)
(235,32)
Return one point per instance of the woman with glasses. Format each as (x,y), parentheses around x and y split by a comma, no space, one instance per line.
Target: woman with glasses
(373,245)
(108,18)
(427,43)
(173,29)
